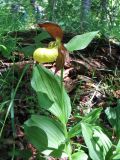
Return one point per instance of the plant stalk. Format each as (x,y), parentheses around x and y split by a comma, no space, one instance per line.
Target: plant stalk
(68,145)
(62,98)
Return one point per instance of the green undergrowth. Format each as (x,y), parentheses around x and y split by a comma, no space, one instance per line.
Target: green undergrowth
(80,126)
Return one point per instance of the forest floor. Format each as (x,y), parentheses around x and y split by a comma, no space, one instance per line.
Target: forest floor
(91,78)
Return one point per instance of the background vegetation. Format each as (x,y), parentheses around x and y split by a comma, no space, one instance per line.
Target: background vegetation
(73,16)
(92,80)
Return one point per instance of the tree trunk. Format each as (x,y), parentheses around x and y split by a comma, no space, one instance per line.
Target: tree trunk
(104,4)
(85,13)
(51,7)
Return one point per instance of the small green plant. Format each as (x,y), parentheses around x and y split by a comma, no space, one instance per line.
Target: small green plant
(8,45)
(50,135)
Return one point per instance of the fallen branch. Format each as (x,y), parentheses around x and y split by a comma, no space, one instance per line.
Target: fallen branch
(6,66)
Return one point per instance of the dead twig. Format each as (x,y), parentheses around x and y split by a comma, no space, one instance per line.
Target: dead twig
(6,66)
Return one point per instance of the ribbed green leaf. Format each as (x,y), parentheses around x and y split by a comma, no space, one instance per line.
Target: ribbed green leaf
(80,155)
(90,118)
(97,142)
(36,136)
(44,133)
(113,115)
(80,42)
(116,153)
(48,88)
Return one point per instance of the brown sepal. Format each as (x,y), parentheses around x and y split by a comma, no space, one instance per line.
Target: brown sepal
(60,61)
(53,29)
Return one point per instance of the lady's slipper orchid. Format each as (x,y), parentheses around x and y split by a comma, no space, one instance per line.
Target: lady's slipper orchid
(55,51)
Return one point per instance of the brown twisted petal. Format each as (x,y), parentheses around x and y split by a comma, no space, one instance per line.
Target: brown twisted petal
(53,29)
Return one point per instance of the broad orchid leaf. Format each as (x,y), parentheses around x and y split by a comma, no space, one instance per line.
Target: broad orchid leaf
(80,42)
(93,116)
(113,115)
(53,29)
(116,157)
(80,155)
(48,88)
(59,152)
(97,142)
(118,146)
(36,136)
(90,118)
(116,154)
(44,133)
(74,131)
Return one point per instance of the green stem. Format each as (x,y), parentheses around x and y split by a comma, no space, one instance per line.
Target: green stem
(12,115)
(62,70)
(62,98)
(13,124)
(68,145)
(68,149)
(62,101)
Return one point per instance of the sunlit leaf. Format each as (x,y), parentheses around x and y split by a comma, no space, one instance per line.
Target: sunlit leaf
(90,118)
(113,115)
(114,152)
(80,42)
(44,133)
(97,142)
(53,29)
(110,153)
(116,155)
(48,88)
(118,146)
(80,155)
